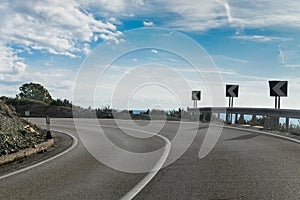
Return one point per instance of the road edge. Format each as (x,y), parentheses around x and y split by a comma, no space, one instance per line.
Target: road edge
(265,133)
(74,144)
(26,152)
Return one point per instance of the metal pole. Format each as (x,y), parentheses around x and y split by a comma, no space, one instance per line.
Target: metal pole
(229,102)
(279,102)
(48,135)
(275,102)
(232,102)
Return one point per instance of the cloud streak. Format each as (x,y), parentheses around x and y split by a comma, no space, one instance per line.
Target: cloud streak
(289,57)
(207,14)
(260,38)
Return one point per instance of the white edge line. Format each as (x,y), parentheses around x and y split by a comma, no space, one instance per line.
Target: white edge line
(74,144)
(138,187)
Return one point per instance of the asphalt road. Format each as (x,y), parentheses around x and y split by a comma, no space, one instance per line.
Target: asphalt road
(242,165)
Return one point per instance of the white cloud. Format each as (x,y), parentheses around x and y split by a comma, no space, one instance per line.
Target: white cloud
(154,51)
(262,13)
(59,82)
(114,20)
(10,62)
(199,15)
(110,5)
(260,38)
(139,2)
(147,24)
(56,27)
(87,49)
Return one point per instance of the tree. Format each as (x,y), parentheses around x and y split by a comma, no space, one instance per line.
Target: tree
(34,91)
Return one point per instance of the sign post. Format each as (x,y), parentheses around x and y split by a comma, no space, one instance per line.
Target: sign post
(196,96)
(48,135)
(278,89)
(27,113)
(231,92)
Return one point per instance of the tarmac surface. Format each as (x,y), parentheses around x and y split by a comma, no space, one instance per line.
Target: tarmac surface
(242,165)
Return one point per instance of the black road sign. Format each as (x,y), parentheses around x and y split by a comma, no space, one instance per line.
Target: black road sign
(278,88)
(196,95)
(232,90)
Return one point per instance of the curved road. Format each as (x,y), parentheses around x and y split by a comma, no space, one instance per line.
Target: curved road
(243,165)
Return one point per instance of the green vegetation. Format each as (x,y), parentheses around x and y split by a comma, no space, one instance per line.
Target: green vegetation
(36,98)
(60,102)
(294,129)
(34,91)
(105,112)
(16,101)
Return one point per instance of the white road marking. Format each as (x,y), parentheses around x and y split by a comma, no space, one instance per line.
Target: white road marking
(137,188)
(74,144)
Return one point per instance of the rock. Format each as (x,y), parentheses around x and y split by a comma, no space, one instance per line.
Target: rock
(15,133)
(29,128)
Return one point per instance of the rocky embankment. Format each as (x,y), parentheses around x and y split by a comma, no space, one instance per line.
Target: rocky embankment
(15,133)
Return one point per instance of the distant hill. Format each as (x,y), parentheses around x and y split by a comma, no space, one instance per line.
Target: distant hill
(65,109)
(57,108)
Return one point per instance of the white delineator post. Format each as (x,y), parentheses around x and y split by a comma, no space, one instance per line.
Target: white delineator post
(48,135)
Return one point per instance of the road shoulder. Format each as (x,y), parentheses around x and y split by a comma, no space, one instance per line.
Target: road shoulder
(61,143)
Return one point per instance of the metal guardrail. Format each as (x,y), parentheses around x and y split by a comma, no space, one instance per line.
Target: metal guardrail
(287,113)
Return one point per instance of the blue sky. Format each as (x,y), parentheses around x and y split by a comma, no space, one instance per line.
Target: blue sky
(250,43)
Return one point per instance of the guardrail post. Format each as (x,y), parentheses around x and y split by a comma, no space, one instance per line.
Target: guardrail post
(267,124)
(242,119)
(236,119)
(204,117)
(48,134)
(253,121)
(274,122)
(228,118)
(287,124)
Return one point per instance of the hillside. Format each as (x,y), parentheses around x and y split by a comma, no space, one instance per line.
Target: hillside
(15,133)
